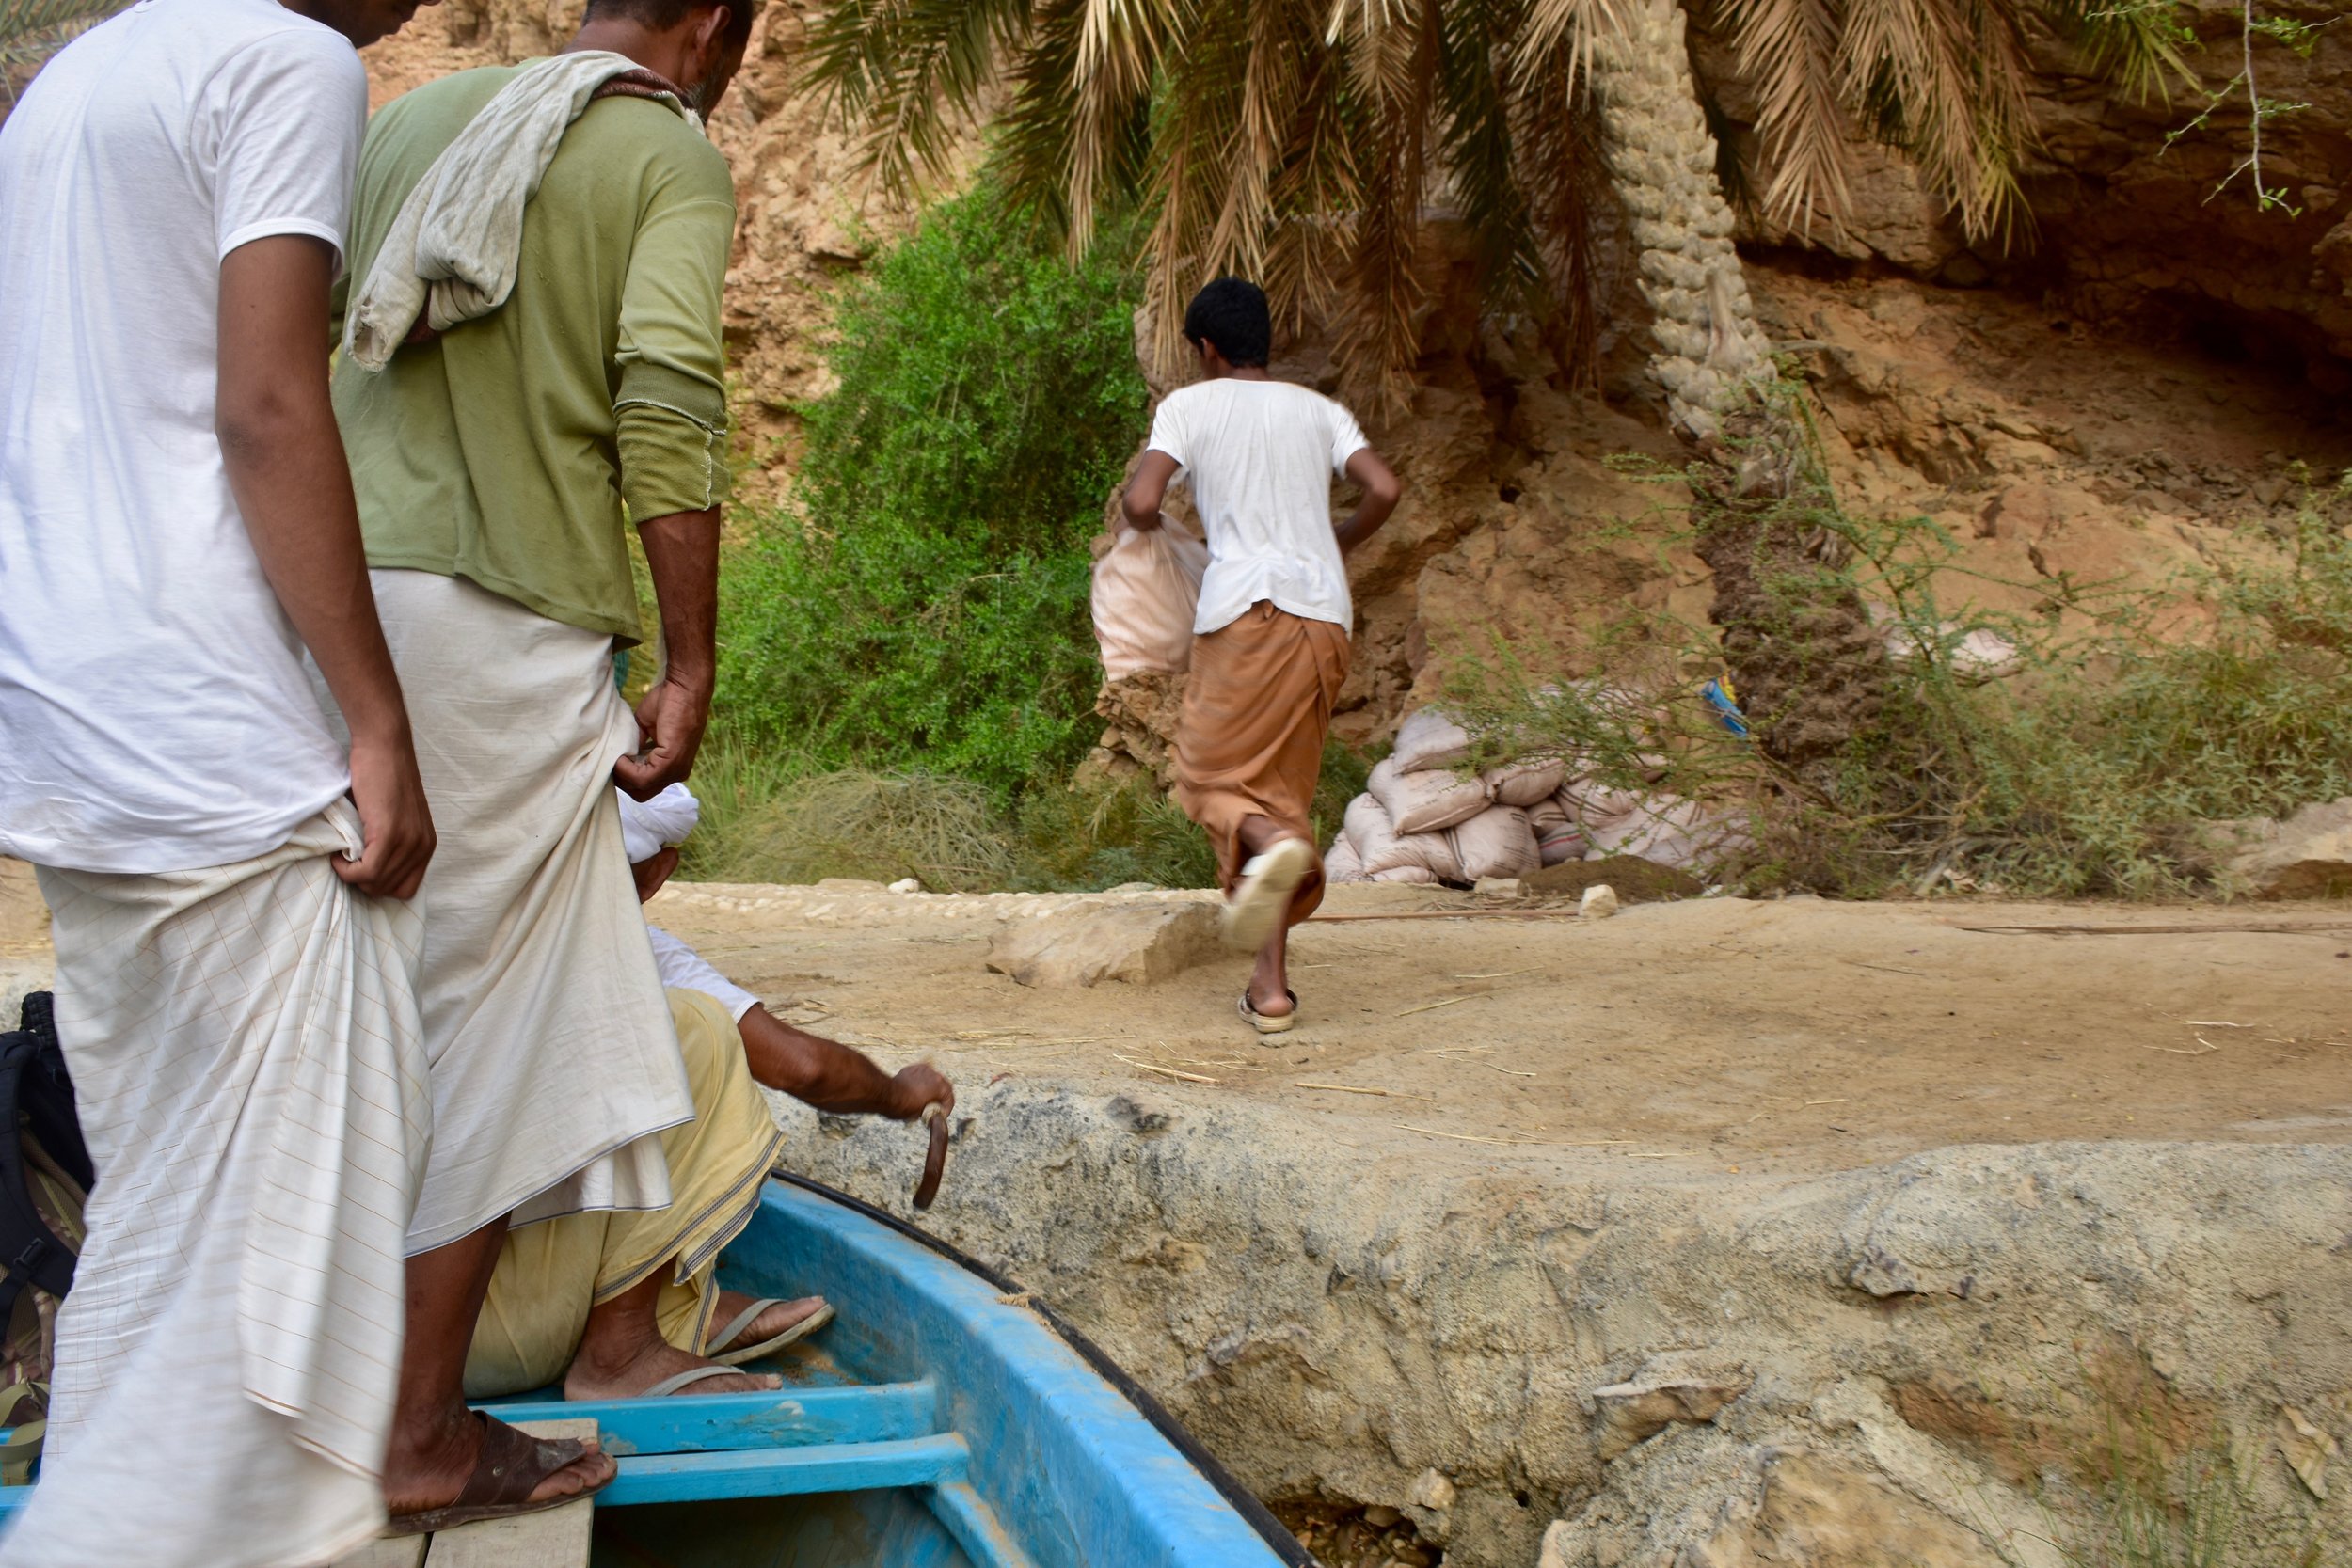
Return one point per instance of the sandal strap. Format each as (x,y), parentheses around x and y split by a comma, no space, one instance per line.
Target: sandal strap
(513,1463)
(676,1380)
(728,1338)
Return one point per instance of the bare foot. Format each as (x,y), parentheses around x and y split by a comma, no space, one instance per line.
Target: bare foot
(431,1469)
(775,1321)
(627,1376)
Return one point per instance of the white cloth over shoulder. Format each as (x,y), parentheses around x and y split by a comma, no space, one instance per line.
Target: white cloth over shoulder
(1259,456)
(456,243)
(683,969)
(152,700)
(250,1074)
(647,826)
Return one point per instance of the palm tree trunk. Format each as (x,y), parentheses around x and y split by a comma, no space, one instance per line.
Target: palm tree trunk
(1809,666)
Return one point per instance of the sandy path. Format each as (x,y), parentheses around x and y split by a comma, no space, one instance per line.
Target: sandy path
(1778,1037)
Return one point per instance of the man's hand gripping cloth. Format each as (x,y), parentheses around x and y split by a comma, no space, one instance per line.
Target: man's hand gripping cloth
(453,251)
(251,1078)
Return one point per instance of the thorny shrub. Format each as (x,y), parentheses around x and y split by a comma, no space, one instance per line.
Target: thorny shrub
(2091,768)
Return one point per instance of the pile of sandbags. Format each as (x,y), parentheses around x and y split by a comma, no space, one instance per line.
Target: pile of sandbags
(1423,818)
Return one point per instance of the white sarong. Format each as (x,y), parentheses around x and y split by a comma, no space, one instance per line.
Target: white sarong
(554,1060)
(249,1071)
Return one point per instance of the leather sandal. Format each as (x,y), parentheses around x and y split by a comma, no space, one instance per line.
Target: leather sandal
(509,1468)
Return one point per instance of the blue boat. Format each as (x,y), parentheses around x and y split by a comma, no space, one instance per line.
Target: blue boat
(945,1420)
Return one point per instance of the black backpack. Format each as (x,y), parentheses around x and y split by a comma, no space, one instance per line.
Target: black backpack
(45,1177)
(36,1104)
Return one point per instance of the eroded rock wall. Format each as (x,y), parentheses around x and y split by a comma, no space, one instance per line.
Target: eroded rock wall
(1598,1365)
(2140,212)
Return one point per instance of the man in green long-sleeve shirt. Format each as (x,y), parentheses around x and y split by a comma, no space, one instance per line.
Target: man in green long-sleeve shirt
(496,463)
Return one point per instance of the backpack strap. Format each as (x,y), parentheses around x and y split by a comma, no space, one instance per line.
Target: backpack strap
(47,1094)
(30,1252)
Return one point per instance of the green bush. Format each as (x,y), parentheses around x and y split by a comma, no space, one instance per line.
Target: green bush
(921,601)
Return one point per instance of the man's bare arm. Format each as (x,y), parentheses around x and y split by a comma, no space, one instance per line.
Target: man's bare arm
(834,1077)
(1147,488)
(682,554)
(1371,475)
(285,462)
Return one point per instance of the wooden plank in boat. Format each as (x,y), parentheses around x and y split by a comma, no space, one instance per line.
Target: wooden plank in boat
(555,1538)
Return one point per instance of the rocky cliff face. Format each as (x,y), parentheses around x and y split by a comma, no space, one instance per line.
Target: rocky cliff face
(2140,220)
(2122,394)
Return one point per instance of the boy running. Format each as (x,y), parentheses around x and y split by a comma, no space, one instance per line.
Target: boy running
(1270,642)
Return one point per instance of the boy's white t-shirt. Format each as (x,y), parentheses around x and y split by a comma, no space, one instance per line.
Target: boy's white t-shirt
(1261,456)
(154,715)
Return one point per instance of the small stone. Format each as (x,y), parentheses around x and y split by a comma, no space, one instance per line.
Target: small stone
(1598,903)
(1090,944)
(2307,1449)
(1380,1515)
(1883,1275)
(907,884)
(1631,1413)
(2308,855)
(1500,887)
(1432,1491)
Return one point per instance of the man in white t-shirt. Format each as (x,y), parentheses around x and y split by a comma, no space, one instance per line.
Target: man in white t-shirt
(234,954)
(1270,643)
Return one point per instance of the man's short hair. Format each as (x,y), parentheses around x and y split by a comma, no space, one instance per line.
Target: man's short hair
(662,15)
(1232,314)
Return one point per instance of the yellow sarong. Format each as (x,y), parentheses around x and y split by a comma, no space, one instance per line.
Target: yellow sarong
(550,1273)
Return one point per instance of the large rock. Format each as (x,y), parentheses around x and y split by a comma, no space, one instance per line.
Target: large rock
(1082,946)
(1340,1324)
(2307,856)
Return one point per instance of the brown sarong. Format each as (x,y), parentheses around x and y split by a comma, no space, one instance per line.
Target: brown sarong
(1250,742)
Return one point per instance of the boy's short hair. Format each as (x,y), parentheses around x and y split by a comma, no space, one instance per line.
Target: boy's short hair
(1232,314)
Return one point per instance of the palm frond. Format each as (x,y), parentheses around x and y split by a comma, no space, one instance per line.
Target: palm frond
(913,72)
(32,30)
(2135,42)
(1789,50)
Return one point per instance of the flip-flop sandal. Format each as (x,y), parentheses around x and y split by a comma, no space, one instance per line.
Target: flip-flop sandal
(510,1467)
(1264,897)
(1264,1024)
(735,1355)
(677,1381)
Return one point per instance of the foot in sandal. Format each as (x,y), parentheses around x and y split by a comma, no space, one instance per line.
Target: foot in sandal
(1263,898)
(744,1329)
(476,1467)
(1276,1016)
(654,1369)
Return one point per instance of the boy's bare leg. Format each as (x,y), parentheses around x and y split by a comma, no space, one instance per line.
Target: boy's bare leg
(436,1440)
(622,1353)
(1269,983)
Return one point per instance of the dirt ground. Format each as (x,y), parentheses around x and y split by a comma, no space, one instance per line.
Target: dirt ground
(1784,1037)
